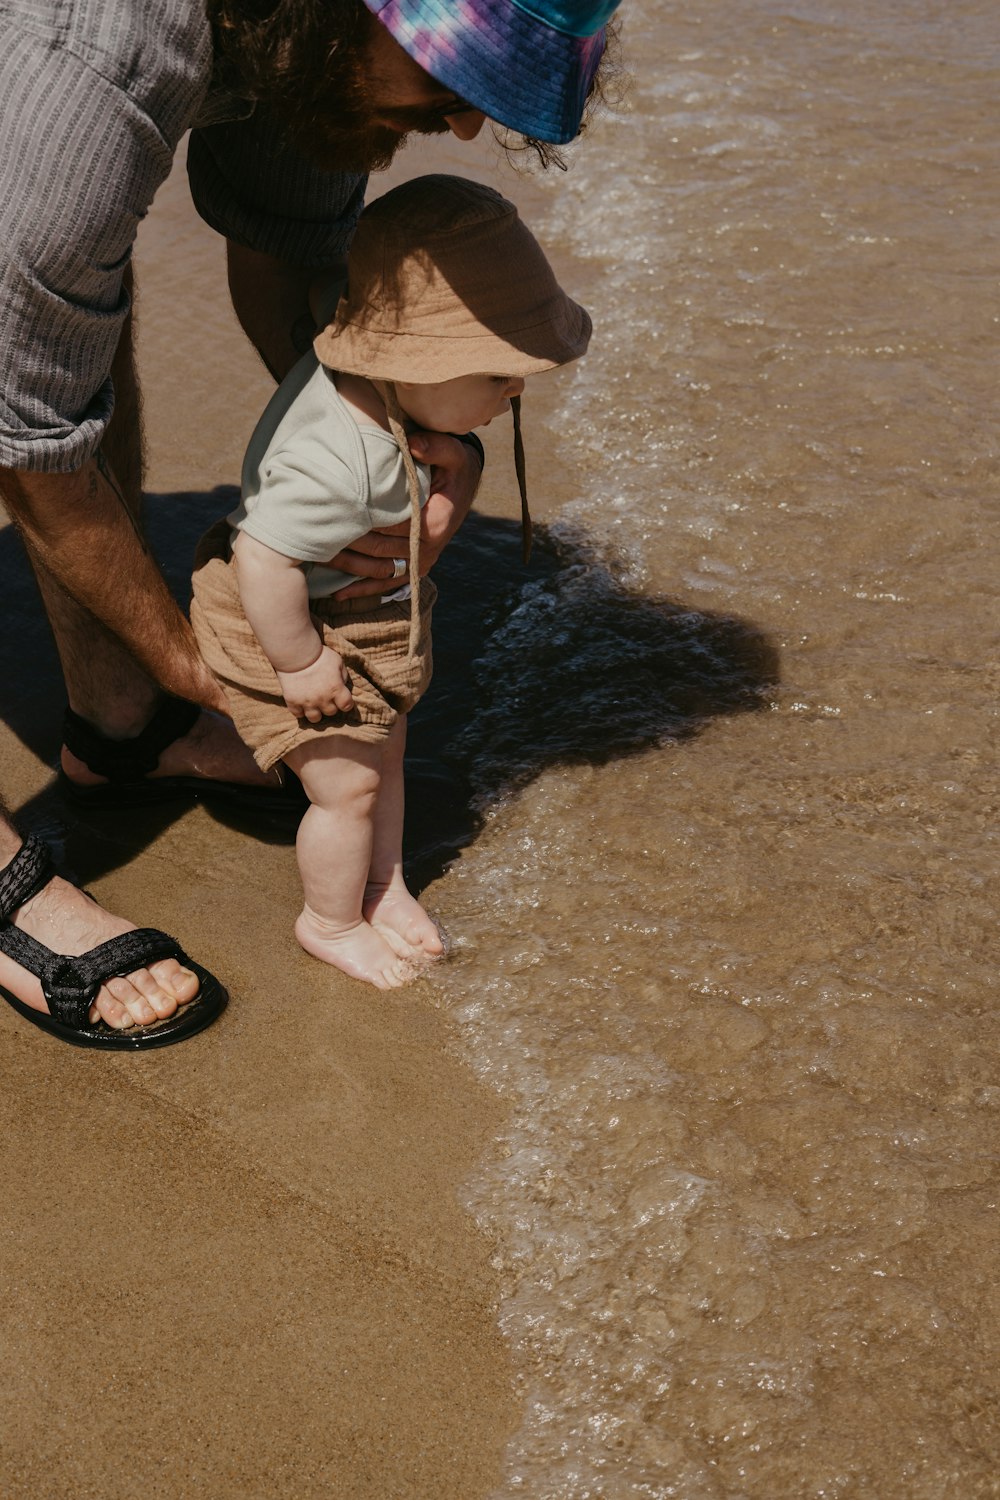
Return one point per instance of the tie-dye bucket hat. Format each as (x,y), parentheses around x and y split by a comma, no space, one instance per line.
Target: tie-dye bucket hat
(527,64)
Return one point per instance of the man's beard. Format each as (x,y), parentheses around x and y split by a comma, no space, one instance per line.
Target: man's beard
(339,128)
(361,148)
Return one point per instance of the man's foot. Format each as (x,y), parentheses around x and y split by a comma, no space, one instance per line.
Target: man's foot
(359,950)
(212,749)
(402,921)
(66,920)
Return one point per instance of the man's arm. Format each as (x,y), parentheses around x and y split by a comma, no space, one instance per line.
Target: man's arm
(271,300)
(78,526)
(455,476)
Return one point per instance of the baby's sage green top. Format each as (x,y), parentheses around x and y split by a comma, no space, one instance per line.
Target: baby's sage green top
(315,479)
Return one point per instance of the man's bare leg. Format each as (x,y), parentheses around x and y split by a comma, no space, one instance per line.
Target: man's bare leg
(64,919)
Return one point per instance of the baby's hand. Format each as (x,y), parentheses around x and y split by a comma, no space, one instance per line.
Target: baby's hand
(317,691)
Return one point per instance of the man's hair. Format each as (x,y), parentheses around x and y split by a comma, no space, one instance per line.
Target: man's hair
(299,59)
(286,54)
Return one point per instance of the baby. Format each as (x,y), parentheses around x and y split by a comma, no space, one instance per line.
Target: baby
(450,305)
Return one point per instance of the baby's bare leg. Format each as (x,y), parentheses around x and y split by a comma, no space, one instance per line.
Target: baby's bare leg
(342,778)
(388,905)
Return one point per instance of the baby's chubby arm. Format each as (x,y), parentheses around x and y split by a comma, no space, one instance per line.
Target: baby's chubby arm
(276,603)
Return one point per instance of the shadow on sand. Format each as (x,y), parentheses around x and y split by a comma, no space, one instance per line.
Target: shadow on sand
(556,664)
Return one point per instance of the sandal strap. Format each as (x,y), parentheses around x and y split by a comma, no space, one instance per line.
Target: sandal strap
(70,983)
(29,870)
(129,760)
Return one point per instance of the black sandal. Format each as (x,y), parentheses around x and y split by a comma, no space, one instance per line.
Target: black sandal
(70,984)
(127,764)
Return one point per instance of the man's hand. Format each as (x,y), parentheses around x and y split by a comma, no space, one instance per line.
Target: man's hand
(318,691)
(455,476)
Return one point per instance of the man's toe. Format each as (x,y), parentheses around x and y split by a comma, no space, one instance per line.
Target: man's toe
(111,1011)
(173,982)
(139,1008)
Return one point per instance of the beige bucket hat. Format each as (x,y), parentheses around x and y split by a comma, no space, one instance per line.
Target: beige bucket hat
(445,280)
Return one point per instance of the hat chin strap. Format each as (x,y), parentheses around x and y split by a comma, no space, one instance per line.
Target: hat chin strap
(396,416)
(515,411)
(394,412)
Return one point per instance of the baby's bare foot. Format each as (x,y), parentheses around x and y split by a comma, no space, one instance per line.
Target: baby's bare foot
(402,921)
(359,950)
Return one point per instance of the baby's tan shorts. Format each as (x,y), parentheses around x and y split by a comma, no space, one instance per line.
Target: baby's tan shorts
(385,681)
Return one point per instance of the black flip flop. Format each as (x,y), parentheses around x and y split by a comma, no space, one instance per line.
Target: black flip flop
(70,984)
(127,764)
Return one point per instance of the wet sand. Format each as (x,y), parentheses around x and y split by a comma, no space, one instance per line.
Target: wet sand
(236,1267)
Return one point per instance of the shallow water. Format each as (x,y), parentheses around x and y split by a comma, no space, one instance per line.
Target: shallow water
(725,940)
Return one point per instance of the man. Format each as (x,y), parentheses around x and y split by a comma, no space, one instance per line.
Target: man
(289,105)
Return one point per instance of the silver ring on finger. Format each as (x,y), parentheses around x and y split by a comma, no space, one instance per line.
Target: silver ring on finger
(399,566)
